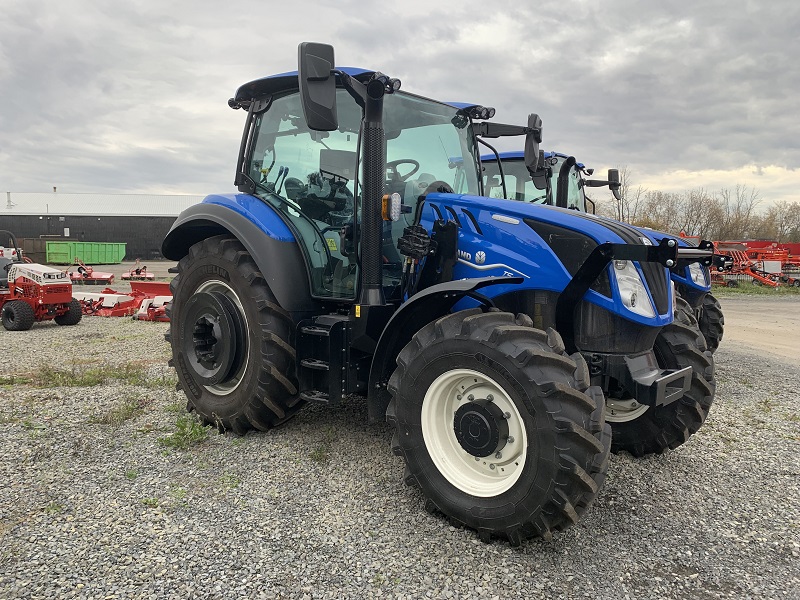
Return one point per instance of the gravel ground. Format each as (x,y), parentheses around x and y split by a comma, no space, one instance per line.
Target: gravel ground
(93,505)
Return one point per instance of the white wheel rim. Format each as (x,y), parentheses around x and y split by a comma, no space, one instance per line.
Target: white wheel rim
(621,411)
(483,477)
(229,385)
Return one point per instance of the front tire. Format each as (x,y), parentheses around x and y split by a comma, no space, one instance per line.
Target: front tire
(231,341)
(72,316)
(496,425)
(641,429)
(712,322)
(18,315)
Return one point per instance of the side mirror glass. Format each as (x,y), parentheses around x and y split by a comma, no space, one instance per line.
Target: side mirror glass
(614,183)
(317,85)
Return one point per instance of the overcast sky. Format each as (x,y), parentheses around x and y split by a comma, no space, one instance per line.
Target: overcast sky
(99,96)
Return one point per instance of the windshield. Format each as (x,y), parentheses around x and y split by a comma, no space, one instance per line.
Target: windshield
(309,176)
(519,185)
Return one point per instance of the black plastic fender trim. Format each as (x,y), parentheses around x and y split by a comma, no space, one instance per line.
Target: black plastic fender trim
(279,262)
(422,308)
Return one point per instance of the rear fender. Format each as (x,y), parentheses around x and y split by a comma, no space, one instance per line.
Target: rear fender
(260,230)
(421,309)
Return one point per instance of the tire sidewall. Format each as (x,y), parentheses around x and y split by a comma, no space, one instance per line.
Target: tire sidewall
(206,267)
(444,356)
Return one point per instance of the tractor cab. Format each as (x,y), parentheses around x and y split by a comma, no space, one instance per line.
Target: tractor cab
(312,177)
(561,180)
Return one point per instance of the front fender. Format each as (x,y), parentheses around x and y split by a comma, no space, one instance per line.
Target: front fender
(422,308)
(260,230)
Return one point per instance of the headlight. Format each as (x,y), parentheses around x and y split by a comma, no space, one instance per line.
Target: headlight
(632,289)
(698,274)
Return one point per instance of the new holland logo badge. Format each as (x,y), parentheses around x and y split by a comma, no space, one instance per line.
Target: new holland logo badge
(480,257)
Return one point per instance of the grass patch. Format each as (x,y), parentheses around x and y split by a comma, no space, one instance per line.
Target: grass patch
(117,415)
(131,474)
(13,380)
(748,289)
(189,431)
(150,502)
(54,508)
(230,481)
(131,373)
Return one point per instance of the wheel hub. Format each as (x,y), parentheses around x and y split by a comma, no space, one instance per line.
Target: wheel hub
(481,428)
(213,336)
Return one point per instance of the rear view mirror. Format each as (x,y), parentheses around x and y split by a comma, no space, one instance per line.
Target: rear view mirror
(317,85)
(614,184)
(532,140)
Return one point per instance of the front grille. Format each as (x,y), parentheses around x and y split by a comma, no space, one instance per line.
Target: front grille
(57,289)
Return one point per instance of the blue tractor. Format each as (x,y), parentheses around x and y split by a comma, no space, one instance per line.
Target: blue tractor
(562,182)
(378,269)
(559,180)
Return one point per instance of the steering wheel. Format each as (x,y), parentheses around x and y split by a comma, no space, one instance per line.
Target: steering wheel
(438,186)
(395,174)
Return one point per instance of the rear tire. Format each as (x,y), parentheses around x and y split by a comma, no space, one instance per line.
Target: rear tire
(18,315)
(72,316)
(545,449)
(712,322)
(647,430)
(231,341)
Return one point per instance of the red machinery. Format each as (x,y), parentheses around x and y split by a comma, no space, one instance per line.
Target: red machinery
(147,301)
(85,274)
(138,273)
(31,292)
(736,262)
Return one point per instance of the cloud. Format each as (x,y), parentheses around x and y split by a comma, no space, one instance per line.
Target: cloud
(131,97)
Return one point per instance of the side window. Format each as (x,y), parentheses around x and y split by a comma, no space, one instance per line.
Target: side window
(309,177)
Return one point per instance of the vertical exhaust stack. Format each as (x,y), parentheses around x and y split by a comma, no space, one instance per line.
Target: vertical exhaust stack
(374,174)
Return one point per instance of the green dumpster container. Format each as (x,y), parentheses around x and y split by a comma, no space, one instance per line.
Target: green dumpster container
(91,253)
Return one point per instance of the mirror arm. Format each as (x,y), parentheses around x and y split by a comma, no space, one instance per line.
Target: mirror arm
(356,89)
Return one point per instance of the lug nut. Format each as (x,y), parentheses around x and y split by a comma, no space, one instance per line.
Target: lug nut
(470,397)
(489,397)
(506,415)
(670,262)
(499,455)
(492,467)
(510,439)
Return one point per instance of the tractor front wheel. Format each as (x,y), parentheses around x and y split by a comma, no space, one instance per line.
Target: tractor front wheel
(712,322)
(641,429)
(72,316)
(18,315)
(231,340)
(496,425)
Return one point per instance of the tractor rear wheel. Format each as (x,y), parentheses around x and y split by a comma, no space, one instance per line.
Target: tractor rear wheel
(231,341)
(72,316)
(18,315)
(641,429)
(712,322)
(496,425)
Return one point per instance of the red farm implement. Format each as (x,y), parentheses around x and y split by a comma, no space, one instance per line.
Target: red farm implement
(147,301)
(86,275)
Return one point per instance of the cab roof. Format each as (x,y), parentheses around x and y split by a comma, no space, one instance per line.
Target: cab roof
(284,82)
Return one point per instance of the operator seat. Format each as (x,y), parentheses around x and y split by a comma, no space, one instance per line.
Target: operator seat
(5,265)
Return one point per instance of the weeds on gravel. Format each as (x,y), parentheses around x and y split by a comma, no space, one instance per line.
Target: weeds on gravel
(117,415)
(9,380)
(131,373)
(188,432)
(150,502)
(322,452)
